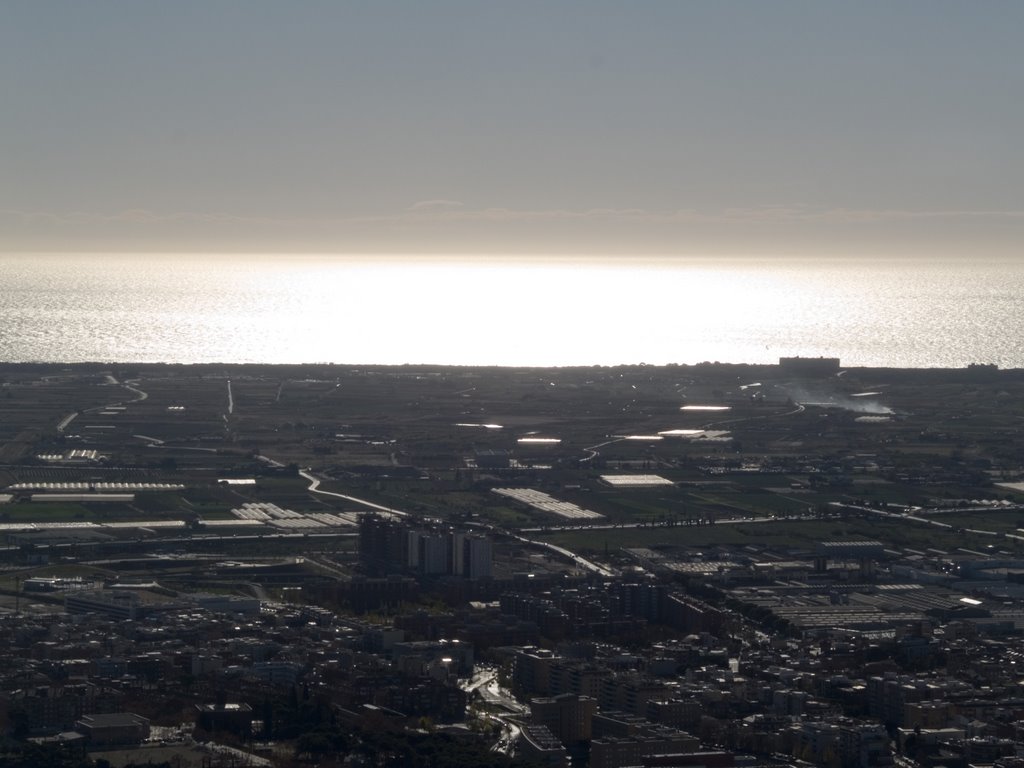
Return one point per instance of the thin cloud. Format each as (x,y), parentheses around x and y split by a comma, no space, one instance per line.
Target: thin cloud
(447,211)
(435,205)
(442,210)
(137,216)
(441,225)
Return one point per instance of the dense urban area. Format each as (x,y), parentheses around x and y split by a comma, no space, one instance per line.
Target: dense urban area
(706,565)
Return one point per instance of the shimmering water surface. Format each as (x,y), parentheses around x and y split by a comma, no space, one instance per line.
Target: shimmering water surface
(344,309)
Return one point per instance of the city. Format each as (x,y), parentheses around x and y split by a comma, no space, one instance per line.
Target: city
(729,565)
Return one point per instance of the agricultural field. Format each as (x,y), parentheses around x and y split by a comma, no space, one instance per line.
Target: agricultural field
(735,445)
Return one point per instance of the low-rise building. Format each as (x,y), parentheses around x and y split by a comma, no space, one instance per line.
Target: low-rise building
(113,729)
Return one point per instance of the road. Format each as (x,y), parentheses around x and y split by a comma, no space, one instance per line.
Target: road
(582,562)
(926,520)
(613,526)
(314,487)
(485,684)
(66,421)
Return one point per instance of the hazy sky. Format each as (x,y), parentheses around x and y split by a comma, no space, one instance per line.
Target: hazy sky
(526,126)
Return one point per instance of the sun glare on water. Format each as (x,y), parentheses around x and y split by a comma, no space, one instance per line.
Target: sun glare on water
(504,311)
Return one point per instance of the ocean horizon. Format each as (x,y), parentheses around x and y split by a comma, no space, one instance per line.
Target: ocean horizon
(508,311)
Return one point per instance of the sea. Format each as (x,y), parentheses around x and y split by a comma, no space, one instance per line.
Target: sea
(508,311)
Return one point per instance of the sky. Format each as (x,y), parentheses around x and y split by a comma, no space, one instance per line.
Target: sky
(675,127)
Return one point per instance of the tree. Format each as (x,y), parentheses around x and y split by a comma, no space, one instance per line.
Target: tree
(313,745)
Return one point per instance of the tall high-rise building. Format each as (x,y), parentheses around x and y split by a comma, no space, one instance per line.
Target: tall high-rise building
(383,545)
(457,552)
(388,546)
(478,558)
(434,557)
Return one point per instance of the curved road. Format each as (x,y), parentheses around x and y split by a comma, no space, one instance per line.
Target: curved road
(110,380)
(314,487)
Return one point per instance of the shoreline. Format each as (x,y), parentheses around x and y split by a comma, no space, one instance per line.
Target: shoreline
(974,370)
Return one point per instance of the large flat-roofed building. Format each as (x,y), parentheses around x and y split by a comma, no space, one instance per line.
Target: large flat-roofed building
(492,459)
(115,728)
(116,605)
(538,745)
(617,752)
(51,708)
(568,716)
